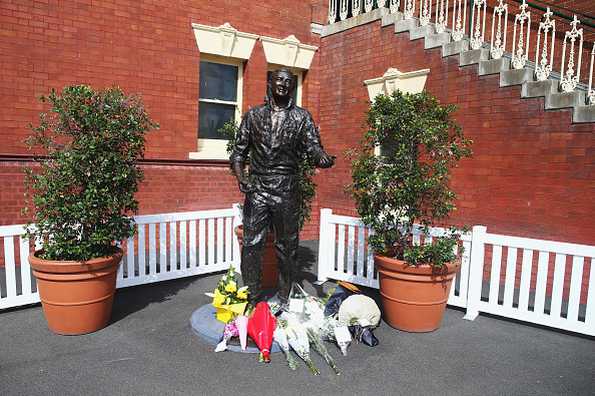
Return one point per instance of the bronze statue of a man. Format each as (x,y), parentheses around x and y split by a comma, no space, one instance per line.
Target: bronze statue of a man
(273,137)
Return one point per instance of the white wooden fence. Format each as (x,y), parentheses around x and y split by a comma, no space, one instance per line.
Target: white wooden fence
(543,282)
(538,295)
(165,246)
(349,259)
(16,288)
(524,289)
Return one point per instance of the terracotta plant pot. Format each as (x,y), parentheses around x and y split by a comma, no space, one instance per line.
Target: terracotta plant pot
(413,298)
(270,272)
(76,296)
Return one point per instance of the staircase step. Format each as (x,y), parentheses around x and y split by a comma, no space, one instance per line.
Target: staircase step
(564,100)
(584,114)
(436,40)
(405,25)
(533,89)
(421,32)
(515,77)
(473,57)
(389,19)
(455,48)
(493,66)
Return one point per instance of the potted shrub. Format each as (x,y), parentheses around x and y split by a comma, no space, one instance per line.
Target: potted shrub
(403,184)
(307,189)
(82,193)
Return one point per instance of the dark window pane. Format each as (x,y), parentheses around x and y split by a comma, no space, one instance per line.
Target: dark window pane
(212,117)
(388,147)
(218,81)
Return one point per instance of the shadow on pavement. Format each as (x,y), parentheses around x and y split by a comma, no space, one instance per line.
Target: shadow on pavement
(133,299)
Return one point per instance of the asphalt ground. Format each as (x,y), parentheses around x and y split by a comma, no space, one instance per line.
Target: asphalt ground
(149,349)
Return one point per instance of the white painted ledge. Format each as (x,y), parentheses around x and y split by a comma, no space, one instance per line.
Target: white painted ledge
(210,149)
(224,40)
(393,79)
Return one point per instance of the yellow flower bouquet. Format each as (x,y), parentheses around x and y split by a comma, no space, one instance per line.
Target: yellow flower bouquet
(229,300)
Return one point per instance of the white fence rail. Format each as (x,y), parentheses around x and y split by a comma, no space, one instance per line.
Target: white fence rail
(522,288)
(343,254)
(541,294)
(16,287)
(165,246)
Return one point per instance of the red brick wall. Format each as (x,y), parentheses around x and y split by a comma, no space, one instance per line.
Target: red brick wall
(537,187)
(580,6)
(146,47)
(533,171)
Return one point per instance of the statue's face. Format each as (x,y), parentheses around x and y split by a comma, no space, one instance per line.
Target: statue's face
(282,84)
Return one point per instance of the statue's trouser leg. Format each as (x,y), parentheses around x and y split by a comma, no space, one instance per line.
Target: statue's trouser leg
(256,222)
(286,228)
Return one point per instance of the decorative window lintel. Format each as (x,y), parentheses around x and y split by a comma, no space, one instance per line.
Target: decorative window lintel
(393,79)
(224,40)
(288,52)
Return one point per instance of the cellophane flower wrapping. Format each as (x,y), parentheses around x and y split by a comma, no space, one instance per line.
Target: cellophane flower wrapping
(261,326)
(229,331)
(229,299)
(362,315)
(297,337)
(242,324)
(359,309)
(316,340)
(312,317)
(280,336)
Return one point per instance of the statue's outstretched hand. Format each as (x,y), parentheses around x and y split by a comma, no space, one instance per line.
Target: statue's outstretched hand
(246,186)
(326,161)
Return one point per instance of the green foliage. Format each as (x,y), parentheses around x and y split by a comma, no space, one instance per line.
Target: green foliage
(307,187)
(83,190)
(408,182)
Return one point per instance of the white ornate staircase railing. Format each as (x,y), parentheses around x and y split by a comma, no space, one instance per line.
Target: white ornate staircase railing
(547,28)
(425,12)
(344,9)
(520,47)
(441,15)
(591,92)
(478,23)
(356,7)
(409,9)
(459,19)
(332,11)
(569,61)
(570,78)
(499,33)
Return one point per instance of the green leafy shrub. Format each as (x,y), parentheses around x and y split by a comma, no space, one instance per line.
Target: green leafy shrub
(307,187)
(408,181)
(83,190)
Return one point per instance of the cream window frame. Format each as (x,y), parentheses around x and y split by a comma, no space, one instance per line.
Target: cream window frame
(216,149)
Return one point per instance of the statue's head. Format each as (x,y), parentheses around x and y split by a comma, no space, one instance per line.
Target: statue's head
(281,83)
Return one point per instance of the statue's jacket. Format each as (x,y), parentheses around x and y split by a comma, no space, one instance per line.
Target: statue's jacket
(274,140)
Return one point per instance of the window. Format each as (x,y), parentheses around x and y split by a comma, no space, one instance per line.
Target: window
(220,100)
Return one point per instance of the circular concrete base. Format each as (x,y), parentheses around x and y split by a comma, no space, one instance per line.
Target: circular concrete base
(207,327)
